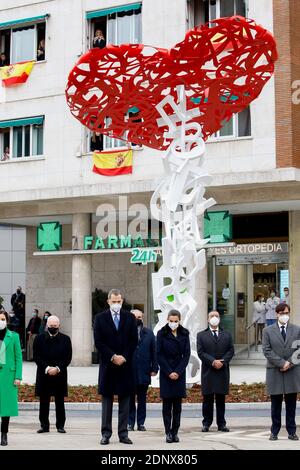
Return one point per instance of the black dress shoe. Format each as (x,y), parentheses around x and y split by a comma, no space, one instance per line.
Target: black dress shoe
(61,430)
(273,437)
(293,437)
(4,439)
(104,441)
(130,427)
(175,438)
(169,438)
(223,429)
(205,429)
(125,440)
(141,428)
(39,431)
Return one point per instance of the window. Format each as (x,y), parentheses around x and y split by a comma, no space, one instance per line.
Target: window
(238,126)
(23,43)
(115,26)
(21,138)
(222,8)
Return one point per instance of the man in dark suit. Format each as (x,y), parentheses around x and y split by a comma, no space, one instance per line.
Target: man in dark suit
(280,343)
(18,305)
(52,352)
(116,339)
(145,366)
(215,349)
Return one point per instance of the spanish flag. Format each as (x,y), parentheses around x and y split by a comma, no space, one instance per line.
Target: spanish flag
(15,74)
(113,163)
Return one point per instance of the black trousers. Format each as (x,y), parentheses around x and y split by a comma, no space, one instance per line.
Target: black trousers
(138,412)
(107,408)
(208,409)
(4,424)
(171,414)
(290,412)
(59,409)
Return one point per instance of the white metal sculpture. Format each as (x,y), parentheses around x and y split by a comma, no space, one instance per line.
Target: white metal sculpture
(179,204)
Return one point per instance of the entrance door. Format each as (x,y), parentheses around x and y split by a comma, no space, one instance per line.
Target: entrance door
(229,296)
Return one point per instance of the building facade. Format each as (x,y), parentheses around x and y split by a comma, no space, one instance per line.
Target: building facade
(46,164)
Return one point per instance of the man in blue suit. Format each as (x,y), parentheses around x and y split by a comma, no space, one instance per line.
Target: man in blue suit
(144,366)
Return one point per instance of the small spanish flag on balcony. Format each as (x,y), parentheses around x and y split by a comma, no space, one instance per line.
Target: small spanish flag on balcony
(15,74)
(113,163)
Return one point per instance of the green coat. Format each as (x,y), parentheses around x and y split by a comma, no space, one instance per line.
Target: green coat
(10,370)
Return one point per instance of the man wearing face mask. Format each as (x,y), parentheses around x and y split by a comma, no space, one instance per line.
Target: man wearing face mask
(144,366)
(116,339)
(215,349)
(18,305)
(52,352)
(32,331)
(283,370)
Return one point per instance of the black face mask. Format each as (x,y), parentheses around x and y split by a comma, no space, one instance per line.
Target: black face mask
(139,322)
(18,291)
(53,330)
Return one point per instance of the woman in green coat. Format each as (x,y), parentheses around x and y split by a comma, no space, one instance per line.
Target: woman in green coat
(10,374)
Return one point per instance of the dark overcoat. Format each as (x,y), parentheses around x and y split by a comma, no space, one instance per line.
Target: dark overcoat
(52,351)
(113,379)
(209,348)
(173,354)
(145,359)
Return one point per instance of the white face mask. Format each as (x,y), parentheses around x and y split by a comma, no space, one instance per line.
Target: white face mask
(214,321)
(116,308)
(284,318)
(173,325)
(3,324)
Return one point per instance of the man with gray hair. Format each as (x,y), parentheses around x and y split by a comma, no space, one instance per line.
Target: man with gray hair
(52,352)
(116,339)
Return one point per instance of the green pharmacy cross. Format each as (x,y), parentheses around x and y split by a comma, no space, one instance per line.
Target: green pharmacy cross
(218,226)
(49,236)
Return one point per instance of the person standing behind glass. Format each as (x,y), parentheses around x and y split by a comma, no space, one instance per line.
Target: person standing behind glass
(10,374)
(173,354)
(259,316)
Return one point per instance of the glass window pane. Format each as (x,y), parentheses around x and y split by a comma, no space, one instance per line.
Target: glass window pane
(212,10)
(240,7)
(227,129)
(17,142)
(37,140)
(27,141)
(244,123)
(23,40)
(226,8)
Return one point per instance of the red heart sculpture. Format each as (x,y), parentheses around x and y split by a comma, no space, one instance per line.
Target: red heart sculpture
(223,68)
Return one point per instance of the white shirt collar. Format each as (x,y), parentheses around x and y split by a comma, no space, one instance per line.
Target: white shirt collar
(280,325)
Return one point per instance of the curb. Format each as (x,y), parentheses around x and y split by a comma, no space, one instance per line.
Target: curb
(75,406)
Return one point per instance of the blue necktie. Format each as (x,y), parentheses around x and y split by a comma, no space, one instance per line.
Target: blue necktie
(283,333)
(116,320)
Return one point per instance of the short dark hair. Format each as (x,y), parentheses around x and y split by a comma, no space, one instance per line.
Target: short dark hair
(258,296)
(174,313)
(114,292)
(281,307)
